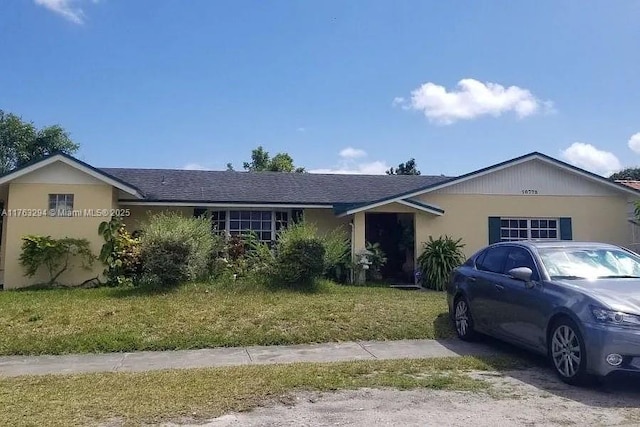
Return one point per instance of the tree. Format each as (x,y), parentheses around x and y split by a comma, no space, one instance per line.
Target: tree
(21,142)
(230,167)
(408,168)
(632,174)
(261,161)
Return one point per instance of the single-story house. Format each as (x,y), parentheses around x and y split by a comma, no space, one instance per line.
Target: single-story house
(529,197)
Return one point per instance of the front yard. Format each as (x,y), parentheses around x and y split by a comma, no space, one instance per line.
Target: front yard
(199,316)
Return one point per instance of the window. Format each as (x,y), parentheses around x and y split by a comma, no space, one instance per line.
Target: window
(265,224)
(219,221)
(512,229)
(493,260)
(520,257)
(259,222)
(61,204)
(282,219)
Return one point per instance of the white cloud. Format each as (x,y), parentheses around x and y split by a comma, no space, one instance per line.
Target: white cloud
(588,157)
(372,168)
(471,99)
(352,153)
(634,143)
(68,9)
(349,166)
(194,167)
(301,129)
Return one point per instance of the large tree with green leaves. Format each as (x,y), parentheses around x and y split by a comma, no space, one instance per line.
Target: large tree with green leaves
(261,161)
(632,174)
(22,142)
(408,168)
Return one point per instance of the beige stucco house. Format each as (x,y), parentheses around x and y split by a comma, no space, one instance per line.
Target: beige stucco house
(530,197)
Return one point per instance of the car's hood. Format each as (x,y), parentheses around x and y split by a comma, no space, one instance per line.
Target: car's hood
(617,294)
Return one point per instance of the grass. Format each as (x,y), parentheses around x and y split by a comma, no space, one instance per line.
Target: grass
(199,394)
(200,316)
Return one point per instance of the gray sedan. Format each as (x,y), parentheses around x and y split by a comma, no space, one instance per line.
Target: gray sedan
(577,303)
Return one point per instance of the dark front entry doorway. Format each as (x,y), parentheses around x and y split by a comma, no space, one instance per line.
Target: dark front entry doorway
(394,232)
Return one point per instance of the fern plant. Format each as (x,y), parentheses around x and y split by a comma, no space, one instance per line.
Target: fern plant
(438,260)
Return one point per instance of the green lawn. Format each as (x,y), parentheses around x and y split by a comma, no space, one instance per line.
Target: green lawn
(199,394)
(198,316)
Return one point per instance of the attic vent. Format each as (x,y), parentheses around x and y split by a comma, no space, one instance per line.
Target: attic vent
(163,182)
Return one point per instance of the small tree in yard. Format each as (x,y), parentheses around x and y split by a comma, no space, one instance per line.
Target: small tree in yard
(53,254)
(438,260)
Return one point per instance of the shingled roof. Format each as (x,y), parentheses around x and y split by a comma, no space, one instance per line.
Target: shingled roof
(171,185)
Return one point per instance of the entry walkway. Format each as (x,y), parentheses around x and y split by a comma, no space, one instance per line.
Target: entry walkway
(11,366)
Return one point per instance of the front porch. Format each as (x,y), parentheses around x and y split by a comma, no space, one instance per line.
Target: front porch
(394,229)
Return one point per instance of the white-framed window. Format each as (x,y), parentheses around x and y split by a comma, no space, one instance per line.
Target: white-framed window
(61,204)
(265,223)
(512,229)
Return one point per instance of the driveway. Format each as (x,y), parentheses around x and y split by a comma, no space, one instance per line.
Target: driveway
(531,397)
(525,397)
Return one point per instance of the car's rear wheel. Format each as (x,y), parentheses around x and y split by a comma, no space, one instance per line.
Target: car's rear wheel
(568,352)
(463,320)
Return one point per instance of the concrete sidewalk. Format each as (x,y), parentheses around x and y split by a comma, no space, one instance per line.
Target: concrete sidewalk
(11,366)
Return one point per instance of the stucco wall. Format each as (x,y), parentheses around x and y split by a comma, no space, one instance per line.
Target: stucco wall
(325,220)
(593,217)
(36,196)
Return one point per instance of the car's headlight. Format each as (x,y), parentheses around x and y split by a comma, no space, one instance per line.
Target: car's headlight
(615,317)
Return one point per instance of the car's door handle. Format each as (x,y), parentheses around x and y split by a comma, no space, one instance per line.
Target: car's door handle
(499,287)
(471,279)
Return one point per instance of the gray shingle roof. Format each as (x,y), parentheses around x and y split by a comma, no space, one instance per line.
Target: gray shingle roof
(267,187)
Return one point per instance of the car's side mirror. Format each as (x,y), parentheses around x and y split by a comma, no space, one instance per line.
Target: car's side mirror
(524,274)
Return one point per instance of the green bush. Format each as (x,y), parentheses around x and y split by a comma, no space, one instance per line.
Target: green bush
(169,231)
(337,257)
(120,253)
(299,262)
(336,243)
(166,262)
(377,259)
(438,260)
(53,254)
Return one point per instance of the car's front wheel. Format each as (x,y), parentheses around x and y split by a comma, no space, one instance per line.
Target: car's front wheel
(568,352)
(463,320)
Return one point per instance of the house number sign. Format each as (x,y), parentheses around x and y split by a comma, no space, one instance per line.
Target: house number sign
(529,191)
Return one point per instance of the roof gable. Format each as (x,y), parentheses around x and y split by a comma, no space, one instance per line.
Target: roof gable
(556,164)
(55,166)
(532,177)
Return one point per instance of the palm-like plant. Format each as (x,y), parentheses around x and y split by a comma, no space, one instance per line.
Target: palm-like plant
(438,260)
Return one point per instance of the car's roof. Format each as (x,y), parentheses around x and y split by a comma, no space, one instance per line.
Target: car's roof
(538,244)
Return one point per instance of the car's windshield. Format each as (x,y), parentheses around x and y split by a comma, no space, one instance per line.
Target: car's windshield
(589,263)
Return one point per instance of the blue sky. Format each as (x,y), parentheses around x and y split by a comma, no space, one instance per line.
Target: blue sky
(342,86)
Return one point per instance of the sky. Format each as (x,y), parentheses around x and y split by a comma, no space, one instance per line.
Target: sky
(342,86)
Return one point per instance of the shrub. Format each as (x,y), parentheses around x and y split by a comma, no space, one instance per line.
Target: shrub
(165,232)
(336,243)
(54,255)
(166,262)
(438,260)
(337,257)
(377,259)
(299,262)
(120,253)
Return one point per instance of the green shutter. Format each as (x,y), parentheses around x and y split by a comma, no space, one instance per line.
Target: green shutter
(494,229)
(565,229)
(198,212)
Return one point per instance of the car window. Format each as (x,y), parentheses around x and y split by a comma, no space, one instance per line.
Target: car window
(493,260)
(520,257)
(479,258)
